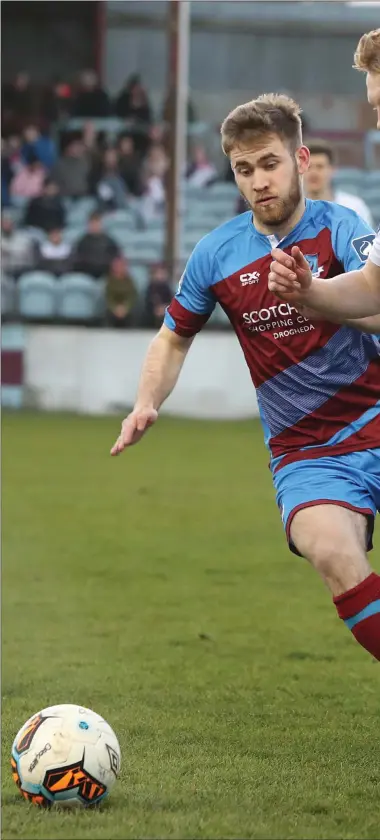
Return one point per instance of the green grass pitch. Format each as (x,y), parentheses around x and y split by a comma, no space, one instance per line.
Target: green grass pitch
(158,589)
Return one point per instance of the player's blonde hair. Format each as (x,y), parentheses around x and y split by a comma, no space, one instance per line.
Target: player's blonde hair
(270,113)
(367,54)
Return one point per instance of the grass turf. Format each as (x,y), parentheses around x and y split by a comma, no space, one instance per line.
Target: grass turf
(158,590)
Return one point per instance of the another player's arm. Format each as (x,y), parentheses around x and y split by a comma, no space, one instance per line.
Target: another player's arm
(369,325)
(355,294)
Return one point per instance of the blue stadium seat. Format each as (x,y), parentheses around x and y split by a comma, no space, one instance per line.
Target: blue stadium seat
(37,292)
(224,190)
(19,202)
(80,210)
(350,179)
(72,234)
(140,276)
(149,253)
(8,296)
(80,297)
(119,220)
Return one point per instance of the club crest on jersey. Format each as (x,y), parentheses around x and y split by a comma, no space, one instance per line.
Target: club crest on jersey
(312,259)
(362,245)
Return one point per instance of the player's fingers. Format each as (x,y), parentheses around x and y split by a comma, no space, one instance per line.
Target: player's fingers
(279,286)
(283,258)
(299,258)
(282,272)
(125,438)
(117,447)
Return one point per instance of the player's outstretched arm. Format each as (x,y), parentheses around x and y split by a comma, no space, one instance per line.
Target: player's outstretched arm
(161,369)
(347,296)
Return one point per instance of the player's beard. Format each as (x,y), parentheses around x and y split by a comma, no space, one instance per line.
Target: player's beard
(281,209)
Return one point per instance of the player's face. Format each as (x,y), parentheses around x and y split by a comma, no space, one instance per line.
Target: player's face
(318,177)
(373,91)
(269,178)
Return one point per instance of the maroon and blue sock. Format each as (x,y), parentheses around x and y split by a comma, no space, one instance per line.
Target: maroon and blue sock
(360,610)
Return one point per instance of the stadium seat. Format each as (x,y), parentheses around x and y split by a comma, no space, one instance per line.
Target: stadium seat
(72,234)
(224,190)
(119,220)
(140,275)
(19,202)
(80,297)
(37,295)
(79,211)
(349,179)
(110,125)
(146,254)
(8,296)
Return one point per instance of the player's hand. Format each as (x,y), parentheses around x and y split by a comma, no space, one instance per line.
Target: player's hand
(134,427)
(290,276)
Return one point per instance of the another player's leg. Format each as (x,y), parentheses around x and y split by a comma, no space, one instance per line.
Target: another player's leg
(334,540)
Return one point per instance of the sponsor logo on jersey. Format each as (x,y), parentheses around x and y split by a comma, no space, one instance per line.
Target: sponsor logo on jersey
(249,278)
(362,245)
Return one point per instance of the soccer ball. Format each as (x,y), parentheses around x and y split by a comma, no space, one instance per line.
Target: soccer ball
(65,754)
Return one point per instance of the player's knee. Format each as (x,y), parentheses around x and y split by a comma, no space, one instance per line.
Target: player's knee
(340,566)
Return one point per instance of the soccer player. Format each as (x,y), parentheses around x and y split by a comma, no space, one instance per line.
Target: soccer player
(352,295)
(318,180)
(317,383)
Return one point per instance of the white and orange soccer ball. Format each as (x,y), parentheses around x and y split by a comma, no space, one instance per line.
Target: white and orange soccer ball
(65,754)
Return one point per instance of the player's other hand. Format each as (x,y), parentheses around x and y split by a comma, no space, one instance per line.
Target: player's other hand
(134,427)
(290,275)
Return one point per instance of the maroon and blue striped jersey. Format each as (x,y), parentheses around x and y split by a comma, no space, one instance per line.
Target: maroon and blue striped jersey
(317,383)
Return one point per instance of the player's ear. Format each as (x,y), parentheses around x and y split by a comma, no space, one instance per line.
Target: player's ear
(303,159)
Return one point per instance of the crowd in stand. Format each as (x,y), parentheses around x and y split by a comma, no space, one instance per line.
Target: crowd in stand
(45,167)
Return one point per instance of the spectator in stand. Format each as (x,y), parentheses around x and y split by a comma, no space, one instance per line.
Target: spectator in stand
(130,165)
(95,250)
(107,184)
(133,103)
(56,101)
(71,172)
(28,181)
(201,172)
(47,211)
(17,248)
(91,100)
(39,145)
(6,173)
(121,294)
(154,178)
(157,297)
(15,156)
(318,180)
(18,104)
(53,254)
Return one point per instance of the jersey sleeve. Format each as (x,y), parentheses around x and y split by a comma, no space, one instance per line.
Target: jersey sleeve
(374,254)
(194,301)
(352,239)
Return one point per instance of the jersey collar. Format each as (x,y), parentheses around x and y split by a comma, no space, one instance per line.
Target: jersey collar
(291,237)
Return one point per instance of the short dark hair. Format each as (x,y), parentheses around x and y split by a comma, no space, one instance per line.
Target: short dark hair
(270,113)
(95,216)
(321,147)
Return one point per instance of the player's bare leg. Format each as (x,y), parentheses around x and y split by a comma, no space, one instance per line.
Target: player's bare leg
(334,540)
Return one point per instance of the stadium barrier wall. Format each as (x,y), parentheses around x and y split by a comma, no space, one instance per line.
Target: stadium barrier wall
(96,371)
